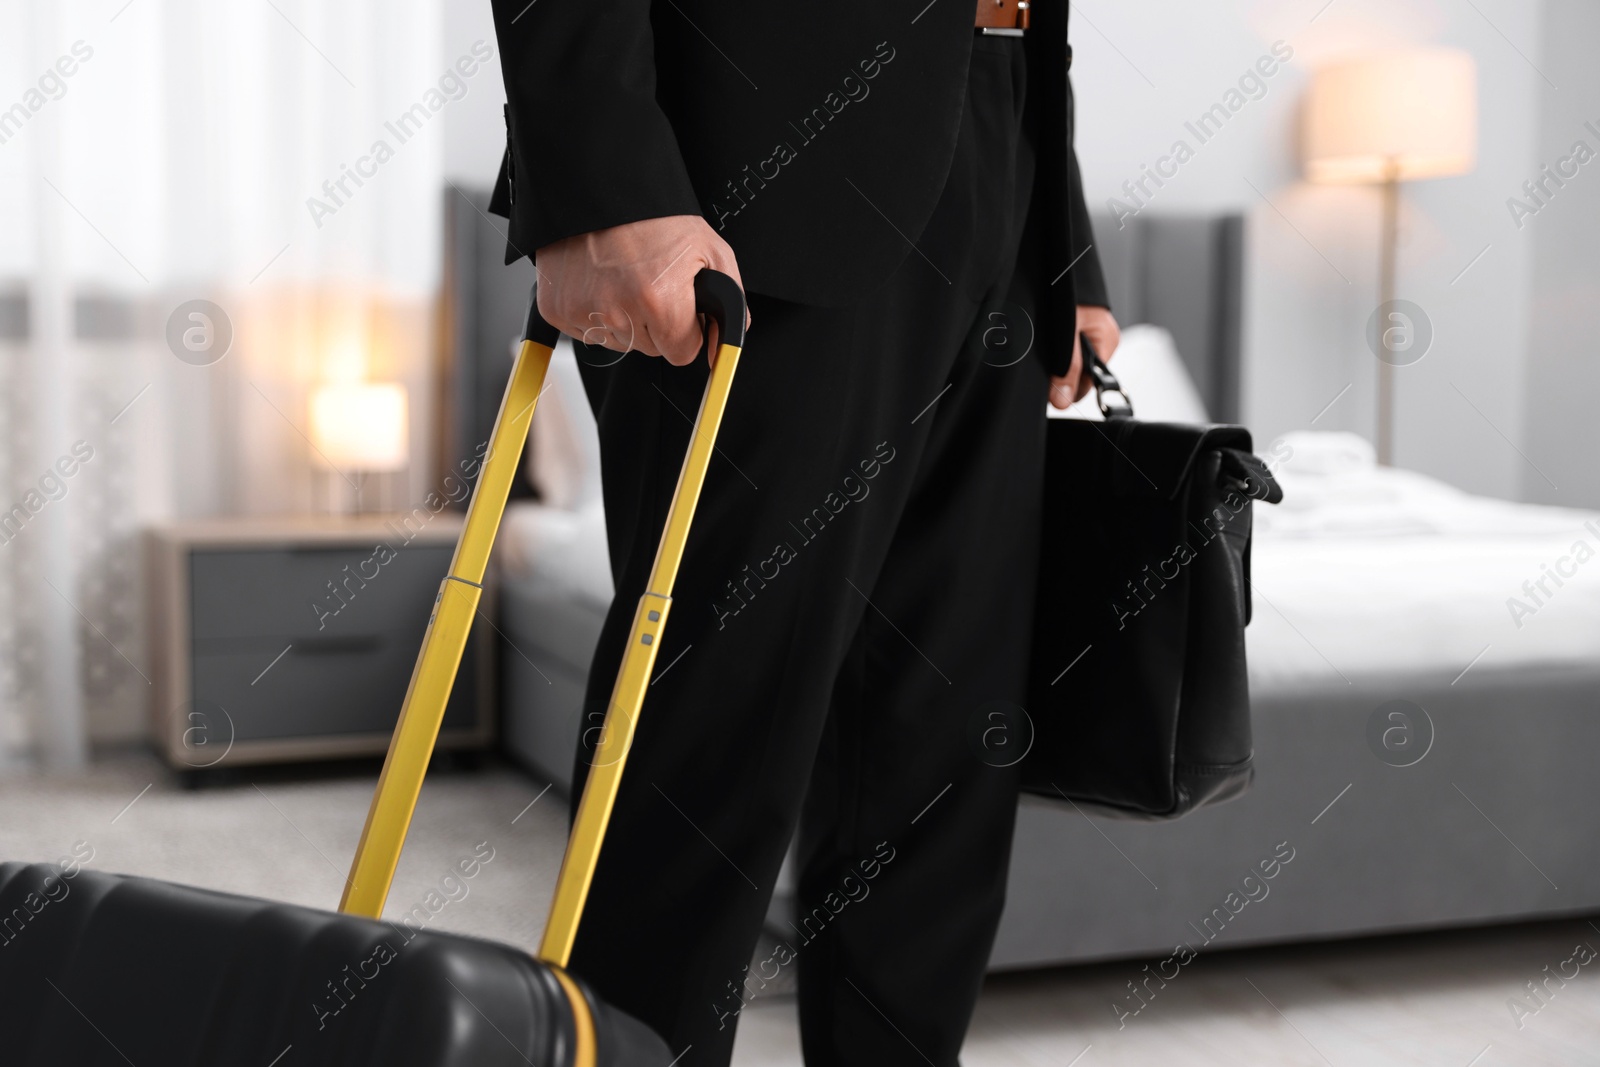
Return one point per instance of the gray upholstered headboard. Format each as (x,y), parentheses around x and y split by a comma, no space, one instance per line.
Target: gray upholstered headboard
(484,305)
(1184,273)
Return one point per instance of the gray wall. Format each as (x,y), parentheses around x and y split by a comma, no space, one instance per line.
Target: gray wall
(476,134)
(1503,394)
(1563,434)
(1311,283)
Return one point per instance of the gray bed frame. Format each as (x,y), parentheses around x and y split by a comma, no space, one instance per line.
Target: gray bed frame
(1496,822)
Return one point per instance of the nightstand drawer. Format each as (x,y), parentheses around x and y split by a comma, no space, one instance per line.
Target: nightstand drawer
(320,687)
(332,591)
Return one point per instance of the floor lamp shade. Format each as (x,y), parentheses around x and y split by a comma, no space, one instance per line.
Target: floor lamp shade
(1393,116)
(1387,118)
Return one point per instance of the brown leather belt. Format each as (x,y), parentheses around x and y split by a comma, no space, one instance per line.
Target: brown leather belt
(1005,18)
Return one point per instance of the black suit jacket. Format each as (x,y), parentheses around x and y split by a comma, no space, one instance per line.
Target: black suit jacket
(814,135)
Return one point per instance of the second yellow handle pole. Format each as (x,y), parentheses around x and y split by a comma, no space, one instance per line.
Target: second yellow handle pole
(633,679)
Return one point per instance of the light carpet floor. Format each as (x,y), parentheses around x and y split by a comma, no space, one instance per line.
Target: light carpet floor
(1436,999)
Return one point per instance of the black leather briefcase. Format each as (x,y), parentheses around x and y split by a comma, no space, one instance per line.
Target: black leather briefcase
(1138,697)
(101,969)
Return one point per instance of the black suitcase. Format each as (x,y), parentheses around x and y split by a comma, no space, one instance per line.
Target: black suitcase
(105,969)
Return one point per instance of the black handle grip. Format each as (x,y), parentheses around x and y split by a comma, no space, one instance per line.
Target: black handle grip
(719,296)
(535,329)
(715,294)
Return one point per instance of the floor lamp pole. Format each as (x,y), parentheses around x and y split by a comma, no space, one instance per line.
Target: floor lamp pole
(1386,272)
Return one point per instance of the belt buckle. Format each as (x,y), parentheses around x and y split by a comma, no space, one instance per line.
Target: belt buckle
(1009,31)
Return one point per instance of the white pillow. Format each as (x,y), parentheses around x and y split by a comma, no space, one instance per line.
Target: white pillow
(1326,452)
(1153,376)
(565,466)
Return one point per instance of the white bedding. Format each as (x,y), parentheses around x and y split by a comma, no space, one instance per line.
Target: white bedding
(555,551)
(1362,571)
(1367,570)
(556,555)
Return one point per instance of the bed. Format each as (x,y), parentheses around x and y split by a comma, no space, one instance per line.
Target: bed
(1424,664)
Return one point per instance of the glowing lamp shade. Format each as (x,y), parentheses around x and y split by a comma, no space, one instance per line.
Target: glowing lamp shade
(361,425)
(1393,116)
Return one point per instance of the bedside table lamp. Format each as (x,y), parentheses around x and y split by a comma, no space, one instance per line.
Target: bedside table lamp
(361,428)
(1388,118)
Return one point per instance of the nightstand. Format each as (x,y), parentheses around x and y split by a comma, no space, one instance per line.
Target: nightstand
(281,639)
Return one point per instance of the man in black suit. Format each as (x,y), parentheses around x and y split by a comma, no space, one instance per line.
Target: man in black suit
(893,182)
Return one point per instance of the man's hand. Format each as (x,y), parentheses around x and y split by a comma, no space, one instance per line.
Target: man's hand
(632,286)
(1104,334)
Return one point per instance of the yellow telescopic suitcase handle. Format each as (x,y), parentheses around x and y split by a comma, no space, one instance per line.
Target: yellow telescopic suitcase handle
(378,853)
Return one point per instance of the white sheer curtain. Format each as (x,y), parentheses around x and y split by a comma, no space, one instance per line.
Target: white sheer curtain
(157,152)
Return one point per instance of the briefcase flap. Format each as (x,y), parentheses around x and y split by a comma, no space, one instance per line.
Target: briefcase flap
(1146,459)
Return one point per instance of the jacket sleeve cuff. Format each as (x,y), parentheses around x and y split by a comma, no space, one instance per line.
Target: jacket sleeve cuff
(569,174)
(589,146)
(1088,279)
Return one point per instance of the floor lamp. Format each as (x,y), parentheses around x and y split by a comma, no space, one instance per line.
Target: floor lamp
(1388,118)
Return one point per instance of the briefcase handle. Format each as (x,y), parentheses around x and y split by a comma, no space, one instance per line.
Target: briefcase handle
(1104,383)
(717,296)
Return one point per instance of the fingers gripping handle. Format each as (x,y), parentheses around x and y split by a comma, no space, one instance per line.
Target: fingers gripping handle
(715,294)
(719,297)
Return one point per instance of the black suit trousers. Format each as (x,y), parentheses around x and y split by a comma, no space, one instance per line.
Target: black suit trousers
(850,624)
